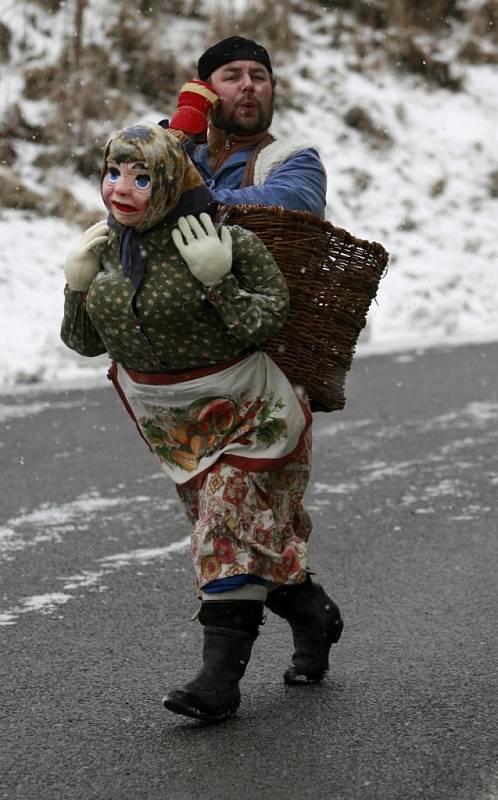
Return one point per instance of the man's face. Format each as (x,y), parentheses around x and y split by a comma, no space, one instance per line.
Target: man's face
(246,97)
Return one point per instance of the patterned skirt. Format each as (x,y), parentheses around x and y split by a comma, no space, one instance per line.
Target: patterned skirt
(236,439)
(250,522)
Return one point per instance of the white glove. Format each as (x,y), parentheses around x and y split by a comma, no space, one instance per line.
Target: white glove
(208,258)
(82,263)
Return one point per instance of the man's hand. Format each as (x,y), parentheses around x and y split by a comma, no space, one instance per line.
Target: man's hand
(208,259)
(82,263)
(195,100)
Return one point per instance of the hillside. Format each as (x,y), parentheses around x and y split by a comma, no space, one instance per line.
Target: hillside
(404,116)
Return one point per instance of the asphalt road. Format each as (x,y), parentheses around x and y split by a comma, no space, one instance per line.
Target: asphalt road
(96,599)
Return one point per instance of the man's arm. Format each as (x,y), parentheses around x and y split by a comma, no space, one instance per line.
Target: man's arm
(298,184)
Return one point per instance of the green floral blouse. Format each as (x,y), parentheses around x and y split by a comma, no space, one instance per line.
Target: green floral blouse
(173,322)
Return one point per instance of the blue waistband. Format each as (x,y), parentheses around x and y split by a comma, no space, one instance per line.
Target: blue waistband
(233,582)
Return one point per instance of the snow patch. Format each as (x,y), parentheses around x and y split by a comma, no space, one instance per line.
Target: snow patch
(49,523)
(88,579)
(41,603)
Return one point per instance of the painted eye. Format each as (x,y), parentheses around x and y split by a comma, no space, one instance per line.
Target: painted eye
(142,181)
(113,175)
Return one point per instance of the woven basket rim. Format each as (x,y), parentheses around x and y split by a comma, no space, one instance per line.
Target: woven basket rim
(306,216)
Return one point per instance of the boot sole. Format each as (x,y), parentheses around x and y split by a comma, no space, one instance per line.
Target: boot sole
(184,709)
(292,678)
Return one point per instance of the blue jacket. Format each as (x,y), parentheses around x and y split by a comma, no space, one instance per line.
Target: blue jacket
(298,184)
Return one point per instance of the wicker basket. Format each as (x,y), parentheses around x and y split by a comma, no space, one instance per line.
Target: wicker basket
(332,278)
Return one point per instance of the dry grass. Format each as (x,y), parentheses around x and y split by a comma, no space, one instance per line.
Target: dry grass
(92,93)
(5,42)
(14,194)
(267,21)
(399,14)
(485,20)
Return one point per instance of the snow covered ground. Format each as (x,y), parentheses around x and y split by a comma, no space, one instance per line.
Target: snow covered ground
(425,196)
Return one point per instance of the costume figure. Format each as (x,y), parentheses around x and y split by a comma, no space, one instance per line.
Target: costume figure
(180,308)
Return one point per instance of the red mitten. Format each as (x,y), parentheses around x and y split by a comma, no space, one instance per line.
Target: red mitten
(195,100)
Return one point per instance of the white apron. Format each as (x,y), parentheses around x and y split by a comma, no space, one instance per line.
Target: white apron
(246,413)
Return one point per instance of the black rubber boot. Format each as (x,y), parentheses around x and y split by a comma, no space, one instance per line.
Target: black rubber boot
(230,629)
(316,625)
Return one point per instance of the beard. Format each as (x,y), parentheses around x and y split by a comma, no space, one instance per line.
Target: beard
(228,121)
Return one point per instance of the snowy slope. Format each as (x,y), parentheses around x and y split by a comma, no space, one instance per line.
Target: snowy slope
(424,195)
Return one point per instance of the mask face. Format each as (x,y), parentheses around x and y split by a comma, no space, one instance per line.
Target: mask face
(142,176)
(126,191)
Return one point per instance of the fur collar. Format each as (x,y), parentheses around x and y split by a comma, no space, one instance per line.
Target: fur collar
(275,154)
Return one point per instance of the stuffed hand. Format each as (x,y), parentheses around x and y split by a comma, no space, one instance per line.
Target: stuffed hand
(208,258)
(195,100)
(82,263)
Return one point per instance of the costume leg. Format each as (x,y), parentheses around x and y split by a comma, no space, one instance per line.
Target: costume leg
(230,619)
(250,523)
(316,625)
(230,629)
(314,618)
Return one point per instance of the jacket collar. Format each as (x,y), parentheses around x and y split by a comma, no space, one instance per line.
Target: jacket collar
(221,145)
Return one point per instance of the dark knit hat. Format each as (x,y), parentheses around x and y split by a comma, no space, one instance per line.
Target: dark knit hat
(235,48)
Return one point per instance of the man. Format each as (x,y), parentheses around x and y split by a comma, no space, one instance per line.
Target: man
(241,162)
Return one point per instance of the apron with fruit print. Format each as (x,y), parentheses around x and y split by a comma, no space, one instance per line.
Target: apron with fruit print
(244,412)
